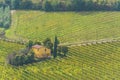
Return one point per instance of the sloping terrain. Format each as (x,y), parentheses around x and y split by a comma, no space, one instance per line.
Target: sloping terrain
(95,62)
(68,26)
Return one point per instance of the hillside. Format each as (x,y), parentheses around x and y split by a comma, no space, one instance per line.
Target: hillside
(88,32)
(95,62)
(68,26)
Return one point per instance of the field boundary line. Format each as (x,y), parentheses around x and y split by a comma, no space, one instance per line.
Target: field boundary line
(91,42)
(82,43)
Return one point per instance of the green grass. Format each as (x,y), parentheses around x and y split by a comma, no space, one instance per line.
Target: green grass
(68,26)
(95,62)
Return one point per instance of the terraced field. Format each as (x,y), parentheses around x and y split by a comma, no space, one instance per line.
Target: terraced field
(95,62)
(68,26)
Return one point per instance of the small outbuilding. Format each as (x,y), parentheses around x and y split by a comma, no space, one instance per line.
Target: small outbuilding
(41,51)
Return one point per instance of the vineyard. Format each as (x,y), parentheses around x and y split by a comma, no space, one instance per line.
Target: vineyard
(99,61)
(68,26)
(93,62)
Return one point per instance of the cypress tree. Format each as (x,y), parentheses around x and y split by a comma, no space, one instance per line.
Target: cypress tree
(56,42)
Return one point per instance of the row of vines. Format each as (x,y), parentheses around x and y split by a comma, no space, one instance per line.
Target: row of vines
(93,62)
(68,26)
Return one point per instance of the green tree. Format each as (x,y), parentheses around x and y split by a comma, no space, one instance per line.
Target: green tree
(26,4)
(6,17)
(47,6)
(8,2)
(18,58)
(37,42)
(90,5)
(118,5)
(63,49)
(30,56)
(78,5)
(56,42)
(48,43)
(29,44)
(15,4)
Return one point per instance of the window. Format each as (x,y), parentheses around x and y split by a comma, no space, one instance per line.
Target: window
(45,49)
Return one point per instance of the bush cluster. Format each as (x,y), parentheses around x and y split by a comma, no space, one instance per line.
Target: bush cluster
(21,57)
(26,55)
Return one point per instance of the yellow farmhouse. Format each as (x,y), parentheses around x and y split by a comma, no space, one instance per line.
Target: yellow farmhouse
(41,51)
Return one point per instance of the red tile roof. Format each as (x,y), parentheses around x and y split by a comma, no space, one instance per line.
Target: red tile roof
(37,46)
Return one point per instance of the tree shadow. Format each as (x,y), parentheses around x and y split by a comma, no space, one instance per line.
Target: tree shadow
(41,60)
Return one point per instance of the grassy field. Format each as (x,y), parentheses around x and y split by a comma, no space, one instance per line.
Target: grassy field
(68,26)
(95,62)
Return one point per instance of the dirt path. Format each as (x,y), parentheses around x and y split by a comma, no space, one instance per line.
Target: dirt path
(13,11)
(93,42)
(85,43)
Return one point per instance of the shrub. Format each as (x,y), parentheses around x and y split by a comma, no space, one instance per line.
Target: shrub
(62,50)
(29,44)
(20,58)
